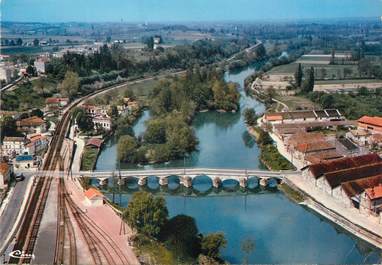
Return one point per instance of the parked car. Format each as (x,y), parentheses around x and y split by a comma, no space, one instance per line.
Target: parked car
(20,177)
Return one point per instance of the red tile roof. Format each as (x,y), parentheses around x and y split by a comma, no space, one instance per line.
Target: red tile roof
(55,100)
(335,178)
(376,121)
(31,121)
(95,142)
(92,192)
(314,146)
(4,167)
(375,192)
(356,187)
(320,169)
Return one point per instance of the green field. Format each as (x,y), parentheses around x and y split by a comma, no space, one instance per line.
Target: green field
(322,72)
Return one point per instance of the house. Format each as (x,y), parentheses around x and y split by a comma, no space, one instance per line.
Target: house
(311,147)
(37,144)
(40,64)
(103,122)
(56,103)
(303,116)
(371,124)
(13,146)
(93,197)
(331,176)
(94,143)
(5,174)
(93,110)
(359,194)
(26,162)
(373,199)
(314,172)
(359,136)
(32,124)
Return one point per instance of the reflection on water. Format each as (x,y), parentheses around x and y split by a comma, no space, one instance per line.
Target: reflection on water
(283,232)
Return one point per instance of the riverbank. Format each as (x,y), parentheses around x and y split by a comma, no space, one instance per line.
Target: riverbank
(269,155)
(366,227)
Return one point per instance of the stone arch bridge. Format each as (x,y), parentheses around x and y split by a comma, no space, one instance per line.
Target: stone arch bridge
(186,175)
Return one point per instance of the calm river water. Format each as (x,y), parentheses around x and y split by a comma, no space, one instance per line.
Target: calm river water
(283,232)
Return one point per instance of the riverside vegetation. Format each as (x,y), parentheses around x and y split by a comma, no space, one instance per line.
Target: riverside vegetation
(169,240)
(173,104)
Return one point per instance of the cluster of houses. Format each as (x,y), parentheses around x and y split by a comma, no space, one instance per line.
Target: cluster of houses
(24,151)
(100,113)
(309,136)
(355,181)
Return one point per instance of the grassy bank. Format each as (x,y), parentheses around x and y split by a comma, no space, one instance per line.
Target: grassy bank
(291,193)
(89,158)
(269,155)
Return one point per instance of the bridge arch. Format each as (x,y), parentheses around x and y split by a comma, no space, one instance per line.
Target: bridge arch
(201,183)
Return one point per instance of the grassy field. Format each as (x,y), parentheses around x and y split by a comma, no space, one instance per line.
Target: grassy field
(89,158)
(322,72)
(140,90)
(296,102)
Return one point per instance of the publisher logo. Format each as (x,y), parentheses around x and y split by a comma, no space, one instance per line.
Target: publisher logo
(18,254)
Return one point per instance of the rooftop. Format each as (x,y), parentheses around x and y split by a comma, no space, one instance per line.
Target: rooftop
(374,192)
(335,178)
(31,121)
(4,167)
(356,187)
(376,121)
(21,158)
(92,193)
(320,169)
(94,142)
(13,139)
(55,100)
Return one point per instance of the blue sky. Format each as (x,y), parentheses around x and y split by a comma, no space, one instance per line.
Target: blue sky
(184,10)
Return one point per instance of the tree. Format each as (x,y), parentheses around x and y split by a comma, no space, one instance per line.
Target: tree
(40,84)
(250,117)
(309,81)
(113,112)
(36,42)
(37,112)
(70,85)
(19,42)
(127,146)
(155,132)
(333,56)
(146,213)
(149,41)
(298,75)
(8,127)
(83,120)
(181,234)
(31,71)
(247,246)
(212,244)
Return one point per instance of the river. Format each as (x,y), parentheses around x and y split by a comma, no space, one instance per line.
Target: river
(283,232)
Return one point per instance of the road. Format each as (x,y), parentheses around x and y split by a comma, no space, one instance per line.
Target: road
(8,218)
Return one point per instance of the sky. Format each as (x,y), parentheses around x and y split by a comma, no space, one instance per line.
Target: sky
(184,10)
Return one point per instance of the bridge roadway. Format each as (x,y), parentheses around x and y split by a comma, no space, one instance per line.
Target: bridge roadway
(186,175)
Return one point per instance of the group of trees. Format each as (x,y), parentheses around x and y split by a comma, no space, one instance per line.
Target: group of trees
(353,106)
(83,120)
(304,81)
(166,138)
(117,58)
(173,104)
(250,117)
(148,215)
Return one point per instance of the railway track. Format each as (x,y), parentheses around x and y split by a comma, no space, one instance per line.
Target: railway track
(27,234)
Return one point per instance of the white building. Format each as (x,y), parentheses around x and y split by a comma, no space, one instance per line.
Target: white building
(93,197)
(13,146)
(5,174)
